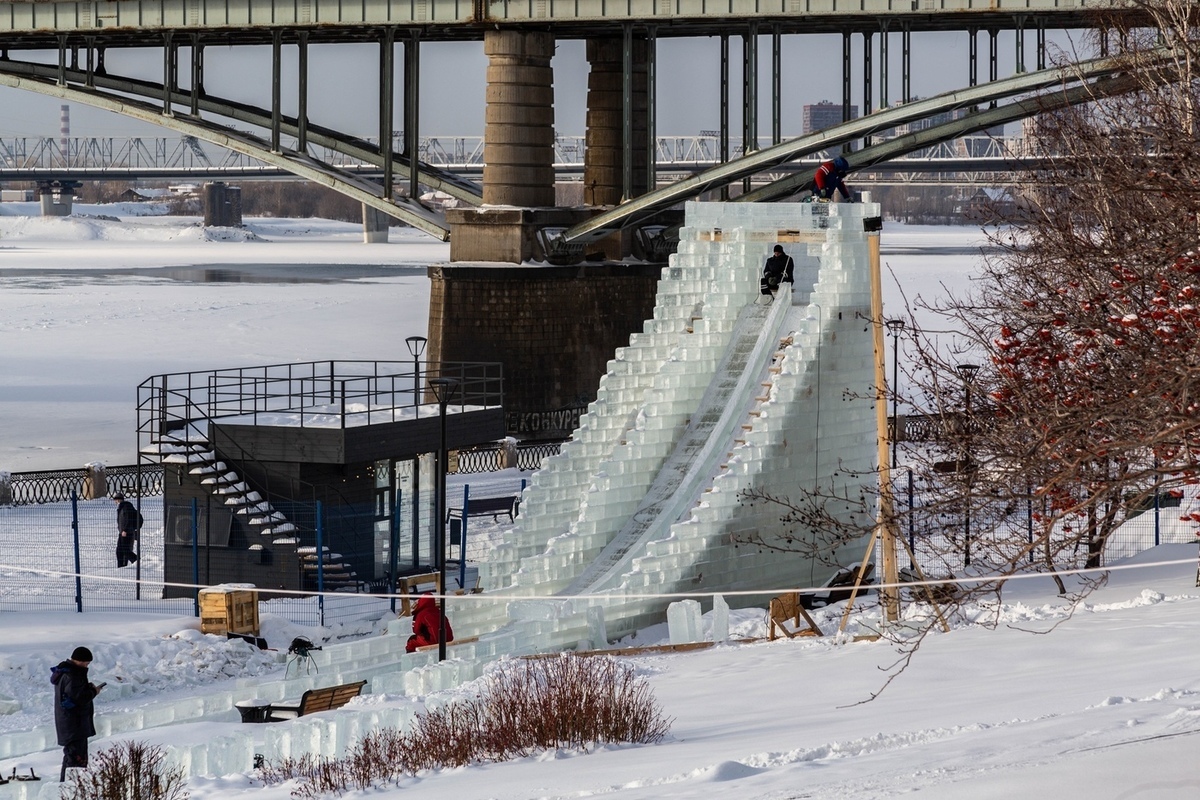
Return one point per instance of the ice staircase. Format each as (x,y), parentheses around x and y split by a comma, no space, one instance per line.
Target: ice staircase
(678,480)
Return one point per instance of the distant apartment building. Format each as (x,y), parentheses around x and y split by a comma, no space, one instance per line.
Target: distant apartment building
(825,115)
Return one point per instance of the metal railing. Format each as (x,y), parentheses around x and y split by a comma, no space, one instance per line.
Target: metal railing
(489,459)
(319,394)
(56,486)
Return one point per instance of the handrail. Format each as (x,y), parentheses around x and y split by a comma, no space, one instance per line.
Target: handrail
(349,392)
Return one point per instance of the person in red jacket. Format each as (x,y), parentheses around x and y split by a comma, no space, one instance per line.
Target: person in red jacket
(427,624)
(829,178)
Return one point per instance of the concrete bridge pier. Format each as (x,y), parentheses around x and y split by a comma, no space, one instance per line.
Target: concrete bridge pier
(375,225)
(518,151)
(57,197)
(605,171)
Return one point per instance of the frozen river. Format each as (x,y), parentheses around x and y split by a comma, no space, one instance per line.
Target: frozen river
(89,308)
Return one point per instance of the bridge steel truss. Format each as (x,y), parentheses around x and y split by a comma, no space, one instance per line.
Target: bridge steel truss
(1079,84)
(81,32)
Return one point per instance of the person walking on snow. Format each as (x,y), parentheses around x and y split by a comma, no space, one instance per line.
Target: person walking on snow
(778,269)
(74,714)
(829,177)
(129,523)
(427,624)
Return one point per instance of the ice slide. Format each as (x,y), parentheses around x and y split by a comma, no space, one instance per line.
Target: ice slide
(701,448)
(647,497)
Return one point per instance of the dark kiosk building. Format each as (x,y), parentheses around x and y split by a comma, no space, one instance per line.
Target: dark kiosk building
(317,475)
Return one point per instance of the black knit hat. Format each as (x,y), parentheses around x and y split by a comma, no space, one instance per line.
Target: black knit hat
(81,654)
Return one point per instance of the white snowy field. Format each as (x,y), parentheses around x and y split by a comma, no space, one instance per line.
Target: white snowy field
(1030,695)
(1102,701)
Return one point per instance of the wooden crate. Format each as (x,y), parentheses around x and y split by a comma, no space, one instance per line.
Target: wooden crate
(228,610)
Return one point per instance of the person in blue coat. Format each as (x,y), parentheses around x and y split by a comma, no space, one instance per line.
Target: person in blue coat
(74,713)
(829,178)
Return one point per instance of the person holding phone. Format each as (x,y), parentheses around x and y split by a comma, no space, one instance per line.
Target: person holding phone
(74,713)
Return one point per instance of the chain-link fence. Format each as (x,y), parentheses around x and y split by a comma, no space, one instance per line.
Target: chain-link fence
(62,556)
(945,538)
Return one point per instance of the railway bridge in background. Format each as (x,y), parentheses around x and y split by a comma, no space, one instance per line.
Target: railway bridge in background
(553,327)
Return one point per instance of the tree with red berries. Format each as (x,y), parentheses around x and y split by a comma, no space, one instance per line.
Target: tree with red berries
(1086,321)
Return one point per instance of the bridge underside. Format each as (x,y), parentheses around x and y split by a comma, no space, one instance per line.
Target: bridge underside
(519,39)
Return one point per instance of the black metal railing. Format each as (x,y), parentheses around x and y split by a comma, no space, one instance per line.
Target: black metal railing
(310,394)
(55,486)
(491,457)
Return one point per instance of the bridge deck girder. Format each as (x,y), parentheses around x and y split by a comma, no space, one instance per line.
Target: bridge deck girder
(142,22)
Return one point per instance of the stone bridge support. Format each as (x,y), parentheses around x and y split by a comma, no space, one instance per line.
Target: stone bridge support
(518,150)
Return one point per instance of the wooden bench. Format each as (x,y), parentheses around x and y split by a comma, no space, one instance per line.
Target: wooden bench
(488,507)
(315,700)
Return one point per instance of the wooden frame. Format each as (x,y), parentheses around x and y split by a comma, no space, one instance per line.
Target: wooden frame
(787,608)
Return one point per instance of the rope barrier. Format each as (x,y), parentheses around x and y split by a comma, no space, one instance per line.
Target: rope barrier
(484,596)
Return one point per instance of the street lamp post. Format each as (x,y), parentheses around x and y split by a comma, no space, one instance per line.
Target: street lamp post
(895,329)
(967,372)
(416,347)
(443,389)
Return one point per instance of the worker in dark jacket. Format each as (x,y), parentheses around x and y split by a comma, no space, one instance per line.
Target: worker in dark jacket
(128,527)
(427,624)
(778,269)
(73,710)
(829,178)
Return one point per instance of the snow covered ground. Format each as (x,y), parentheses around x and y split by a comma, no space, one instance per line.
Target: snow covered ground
(1028,696)
(1102,702)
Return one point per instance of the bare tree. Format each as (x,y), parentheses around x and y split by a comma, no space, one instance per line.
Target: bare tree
(1084,331)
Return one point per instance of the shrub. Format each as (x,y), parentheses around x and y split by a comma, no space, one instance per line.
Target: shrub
(524,707)
(126,771)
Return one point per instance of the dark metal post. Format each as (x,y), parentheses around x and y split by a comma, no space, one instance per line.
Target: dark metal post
(895,328)
(75,537)
(912,543)
(967,372)
(387,77)
(627,115)
(723,128)
(302,94)
(462,537)
(868,47)
(320,562)
(416,347)
(197,71)
(442,389)
(412,109)
(276,87)
(651,108)
(393,546)
(1157,506)
(196,556)
(883,65)
(776,85)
